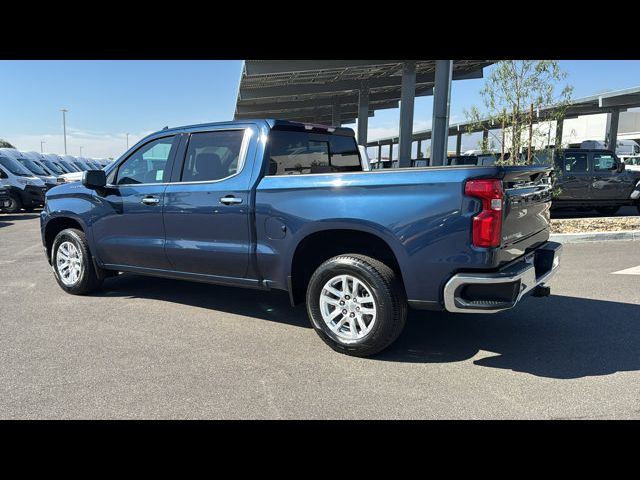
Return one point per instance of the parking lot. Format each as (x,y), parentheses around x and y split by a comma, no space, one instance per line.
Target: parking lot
(155,348)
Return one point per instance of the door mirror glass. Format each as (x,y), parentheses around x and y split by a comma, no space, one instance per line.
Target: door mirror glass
(94,179)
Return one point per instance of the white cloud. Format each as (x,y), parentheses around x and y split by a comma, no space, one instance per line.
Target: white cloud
(94,144)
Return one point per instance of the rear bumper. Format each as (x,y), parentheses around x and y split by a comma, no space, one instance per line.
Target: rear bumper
(493,292)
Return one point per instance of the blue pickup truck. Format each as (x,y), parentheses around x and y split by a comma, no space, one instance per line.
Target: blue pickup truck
(271,204)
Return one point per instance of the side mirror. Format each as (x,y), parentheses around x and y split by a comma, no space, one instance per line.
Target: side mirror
(94,179)
(621,167)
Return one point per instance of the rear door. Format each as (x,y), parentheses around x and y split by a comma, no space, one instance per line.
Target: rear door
(206,207)
(575,179)
(128,228)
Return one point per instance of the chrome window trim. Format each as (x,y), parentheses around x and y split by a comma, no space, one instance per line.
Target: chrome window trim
(244,148)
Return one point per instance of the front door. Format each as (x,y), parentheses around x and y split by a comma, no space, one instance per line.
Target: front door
(575,180)
(206,212)
(128,229)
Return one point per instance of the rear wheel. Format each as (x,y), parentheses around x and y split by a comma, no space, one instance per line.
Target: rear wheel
(608,210)
(356,304)
(15,205)
(73,264)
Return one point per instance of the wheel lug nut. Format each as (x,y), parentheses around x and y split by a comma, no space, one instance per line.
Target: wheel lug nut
(341,302)
(357,309)
(352,315)
(344,312)
(347,297)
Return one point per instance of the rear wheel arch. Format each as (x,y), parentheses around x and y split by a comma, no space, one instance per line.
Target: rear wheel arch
(319,246)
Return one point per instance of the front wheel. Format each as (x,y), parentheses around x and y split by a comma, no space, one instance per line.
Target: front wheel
(72,263)
(356,304)
(15,205)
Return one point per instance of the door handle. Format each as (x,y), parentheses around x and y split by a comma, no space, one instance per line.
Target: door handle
(230,200)
(150,200)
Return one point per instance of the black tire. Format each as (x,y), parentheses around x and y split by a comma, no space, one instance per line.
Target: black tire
(387,291)
(607,210)
(90,277)
(15,205)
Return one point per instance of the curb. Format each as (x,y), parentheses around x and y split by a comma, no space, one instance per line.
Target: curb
(595,236)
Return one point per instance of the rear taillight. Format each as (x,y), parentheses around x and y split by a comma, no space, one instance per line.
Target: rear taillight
(487,225)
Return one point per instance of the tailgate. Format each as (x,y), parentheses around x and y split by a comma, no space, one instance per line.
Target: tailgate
(526,222)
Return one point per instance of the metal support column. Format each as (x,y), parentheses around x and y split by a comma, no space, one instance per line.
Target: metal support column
(559,125)
(335,115)
(418,149)
(612,129)
(485,139)
(363,112)
(458,143)
(407,98)
(441,101)
(379,152)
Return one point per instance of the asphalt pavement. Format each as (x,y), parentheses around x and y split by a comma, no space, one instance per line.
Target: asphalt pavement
(154,348)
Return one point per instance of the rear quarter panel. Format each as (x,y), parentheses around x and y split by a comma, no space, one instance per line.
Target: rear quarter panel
(421,214)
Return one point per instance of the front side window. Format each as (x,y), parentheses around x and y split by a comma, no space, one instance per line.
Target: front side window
(603,162)
(575,162)
(213,156)
(295,153)
(148,164)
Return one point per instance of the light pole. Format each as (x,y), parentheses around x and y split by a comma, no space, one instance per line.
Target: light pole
(127,141)
(41,143)
(64,127)
(80,151)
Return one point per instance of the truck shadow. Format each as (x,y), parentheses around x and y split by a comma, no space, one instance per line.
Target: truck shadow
(555,337)
(273,305)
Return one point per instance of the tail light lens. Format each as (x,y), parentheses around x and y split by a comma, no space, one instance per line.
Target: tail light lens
(487,225)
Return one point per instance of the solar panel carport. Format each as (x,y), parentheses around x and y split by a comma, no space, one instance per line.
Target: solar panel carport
(337,92)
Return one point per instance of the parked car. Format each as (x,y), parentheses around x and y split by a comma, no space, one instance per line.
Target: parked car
(594,179)
(53,163)
(29,164)
(287,206)
(632,163)
(25,189)
(38,159)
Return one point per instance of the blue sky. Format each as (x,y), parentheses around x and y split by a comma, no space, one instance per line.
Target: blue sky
(107,99)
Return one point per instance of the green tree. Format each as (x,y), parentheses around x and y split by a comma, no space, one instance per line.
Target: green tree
(512,87)
(5,144)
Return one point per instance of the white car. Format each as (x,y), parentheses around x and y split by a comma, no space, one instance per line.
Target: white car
(632,163)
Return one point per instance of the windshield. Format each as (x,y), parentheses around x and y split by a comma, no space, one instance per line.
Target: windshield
(53,167)
(31,166)
(43,167)
(14,167)
(80,165)
(70,167)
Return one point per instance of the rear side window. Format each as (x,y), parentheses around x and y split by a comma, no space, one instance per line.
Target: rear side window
(575,162)
(213,156)
(603,162)
(296,153)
